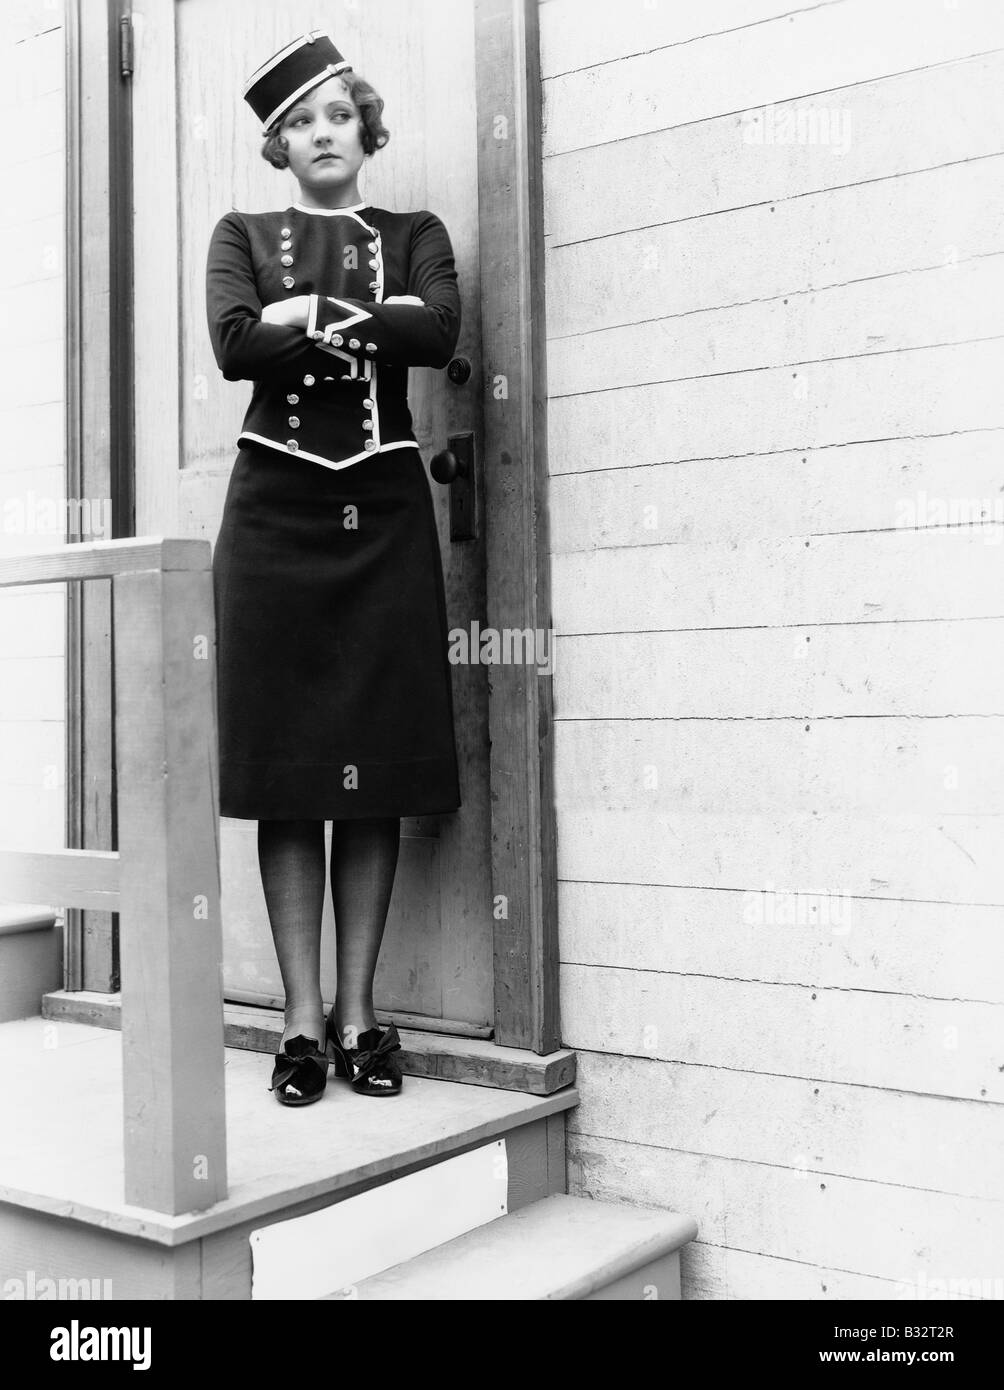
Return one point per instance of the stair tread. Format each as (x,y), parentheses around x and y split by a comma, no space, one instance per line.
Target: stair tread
(275,1157)
(559,1247)
(476,1061)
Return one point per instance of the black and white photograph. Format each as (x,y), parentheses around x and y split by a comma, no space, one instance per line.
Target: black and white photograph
(502,613)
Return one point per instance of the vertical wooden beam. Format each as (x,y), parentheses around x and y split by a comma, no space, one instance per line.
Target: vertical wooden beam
(98,449)
(93,950)
(171,939)
(156,291)
(515,462)
(73,966)
(120,246)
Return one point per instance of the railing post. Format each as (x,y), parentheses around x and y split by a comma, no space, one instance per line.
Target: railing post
(171,940)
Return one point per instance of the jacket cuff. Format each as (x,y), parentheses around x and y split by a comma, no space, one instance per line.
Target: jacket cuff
(329,317)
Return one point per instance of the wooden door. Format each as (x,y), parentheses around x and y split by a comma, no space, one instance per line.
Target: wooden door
(197,155)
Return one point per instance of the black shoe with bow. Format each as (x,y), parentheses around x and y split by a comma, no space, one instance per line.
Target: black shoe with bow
(369,1066)
(300,1073)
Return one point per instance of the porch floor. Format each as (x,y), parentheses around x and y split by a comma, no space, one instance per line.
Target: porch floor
(61,1143)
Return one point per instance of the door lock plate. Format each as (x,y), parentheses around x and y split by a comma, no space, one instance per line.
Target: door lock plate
(464,489)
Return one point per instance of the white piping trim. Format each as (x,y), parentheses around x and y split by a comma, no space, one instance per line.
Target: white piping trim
(283,53)
(376,406)
(328,463)
(354,316)
(333,212)
(332,70)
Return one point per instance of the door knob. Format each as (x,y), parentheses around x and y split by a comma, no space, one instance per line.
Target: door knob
(455,466)
(459,371)
(445,466)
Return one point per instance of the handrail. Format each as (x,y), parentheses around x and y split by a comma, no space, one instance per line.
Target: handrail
(104,559)
(164,880)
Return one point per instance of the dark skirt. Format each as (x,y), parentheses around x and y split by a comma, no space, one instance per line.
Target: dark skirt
(334,695)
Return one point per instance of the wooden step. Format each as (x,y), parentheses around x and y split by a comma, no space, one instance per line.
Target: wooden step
(474,1061)
(559,1247)
(62,1207)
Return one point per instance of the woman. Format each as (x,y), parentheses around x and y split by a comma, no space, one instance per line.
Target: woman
(334,688)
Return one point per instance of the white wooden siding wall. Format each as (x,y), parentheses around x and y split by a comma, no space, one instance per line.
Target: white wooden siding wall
(779,663)
(32,482)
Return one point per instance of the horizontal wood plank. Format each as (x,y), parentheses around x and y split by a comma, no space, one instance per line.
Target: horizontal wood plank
(948,480)
(34,68)
(717,1272)
(882,395)
(954,859)
(34,374)
(860,1227)
(32,433)
(33,507)
(32,755)
(473,1061)
(99,559)
(31,251)
(806,1127)
(920,120)
(873,669)
(941,950)
(64,878)
(31,688)
(863,577)
(33,307)
(932,1047)
(578,33)
(936,217)
(871,767)
(40,188)
(954,303)
(805,55)
(33,818)
(32,622)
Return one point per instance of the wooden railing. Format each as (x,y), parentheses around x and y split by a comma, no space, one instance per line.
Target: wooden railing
(164,880)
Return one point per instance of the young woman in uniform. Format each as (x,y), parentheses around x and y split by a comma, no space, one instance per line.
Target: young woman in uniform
(334,694)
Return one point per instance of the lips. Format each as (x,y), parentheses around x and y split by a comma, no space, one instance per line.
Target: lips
(322,158)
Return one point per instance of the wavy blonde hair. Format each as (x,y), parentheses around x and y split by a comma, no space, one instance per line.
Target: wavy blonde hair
(374,133)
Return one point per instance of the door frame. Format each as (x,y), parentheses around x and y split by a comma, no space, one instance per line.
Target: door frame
(99,439)
(512,453)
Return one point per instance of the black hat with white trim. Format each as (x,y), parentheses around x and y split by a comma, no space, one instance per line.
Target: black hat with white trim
(291,72)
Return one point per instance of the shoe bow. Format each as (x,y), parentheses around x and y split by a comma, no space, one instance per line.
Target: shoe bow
(367,1059)
(297,1051)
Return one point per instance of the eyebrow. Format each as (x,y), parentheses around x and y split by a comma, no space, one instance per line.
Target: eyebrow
(307,111)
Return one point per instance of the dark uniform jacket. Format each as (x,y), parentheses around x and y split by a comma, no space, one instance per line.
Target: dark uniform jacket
(335,392)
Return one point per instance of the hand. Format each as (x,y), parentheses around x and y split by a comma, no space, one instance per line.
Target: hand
(405,299)
(291,313)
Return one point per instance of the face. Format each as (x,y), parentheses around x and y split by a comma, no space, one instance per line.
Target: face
(324,132)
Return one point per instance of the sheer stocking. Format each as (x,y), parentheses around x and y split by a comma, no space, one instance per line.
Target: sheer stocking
(364,856)
(291,858)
